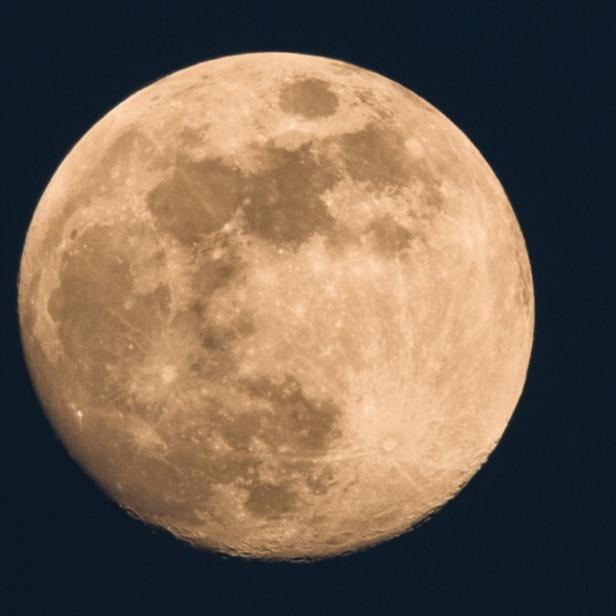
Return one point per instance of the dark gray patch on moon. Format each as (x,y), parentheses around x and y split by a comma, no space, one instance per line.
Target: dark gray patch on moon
(297,430)
(95,323)
(215,337)
(198,199)
(212,273)
(375,154)
(283,202)
(310,98)
(292,420)
(281,418)
(388,237)
(270,500)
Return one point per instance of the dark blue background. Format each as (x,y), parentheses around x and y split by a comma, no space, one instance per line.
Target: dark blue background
(531,84)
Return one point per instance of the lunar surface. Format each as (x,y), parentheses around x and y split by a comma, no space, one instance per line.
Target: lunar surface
(278,305)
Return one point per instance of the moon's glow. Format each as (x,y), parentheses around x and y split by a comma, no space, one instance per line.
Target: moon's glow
(278,305)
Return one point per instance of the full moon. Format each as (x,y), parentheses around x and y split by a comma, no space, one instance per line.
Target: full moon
(278,305)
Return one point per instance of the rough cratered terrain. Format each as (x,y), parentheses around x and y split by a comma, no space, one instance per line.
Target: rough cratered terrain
(278,305)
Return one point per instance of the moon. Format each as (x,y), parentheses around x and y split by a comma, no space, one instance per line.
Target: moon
(278,305)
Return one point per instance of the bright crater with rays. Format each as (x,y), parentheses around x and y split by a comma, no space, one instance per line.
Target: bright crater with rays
(278,305)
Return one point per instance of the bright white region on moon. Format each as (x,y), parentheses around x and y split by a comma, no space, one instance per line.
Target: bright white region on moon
(278,305)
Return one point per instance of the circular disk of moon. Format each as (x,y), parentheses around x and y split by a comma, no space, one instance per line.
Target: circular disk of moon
(278,305)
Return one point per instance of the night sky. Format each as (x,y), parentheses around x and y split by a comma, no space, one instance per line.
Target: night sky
(532,85)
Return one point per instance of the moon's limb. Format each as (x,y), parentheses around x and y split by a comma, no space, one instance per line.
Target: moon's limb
(278,305)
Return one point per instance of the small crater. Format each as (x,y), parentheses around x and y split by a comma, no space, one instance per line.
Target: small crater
(310,98)
(389,444)
(415,147)
(169,374)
